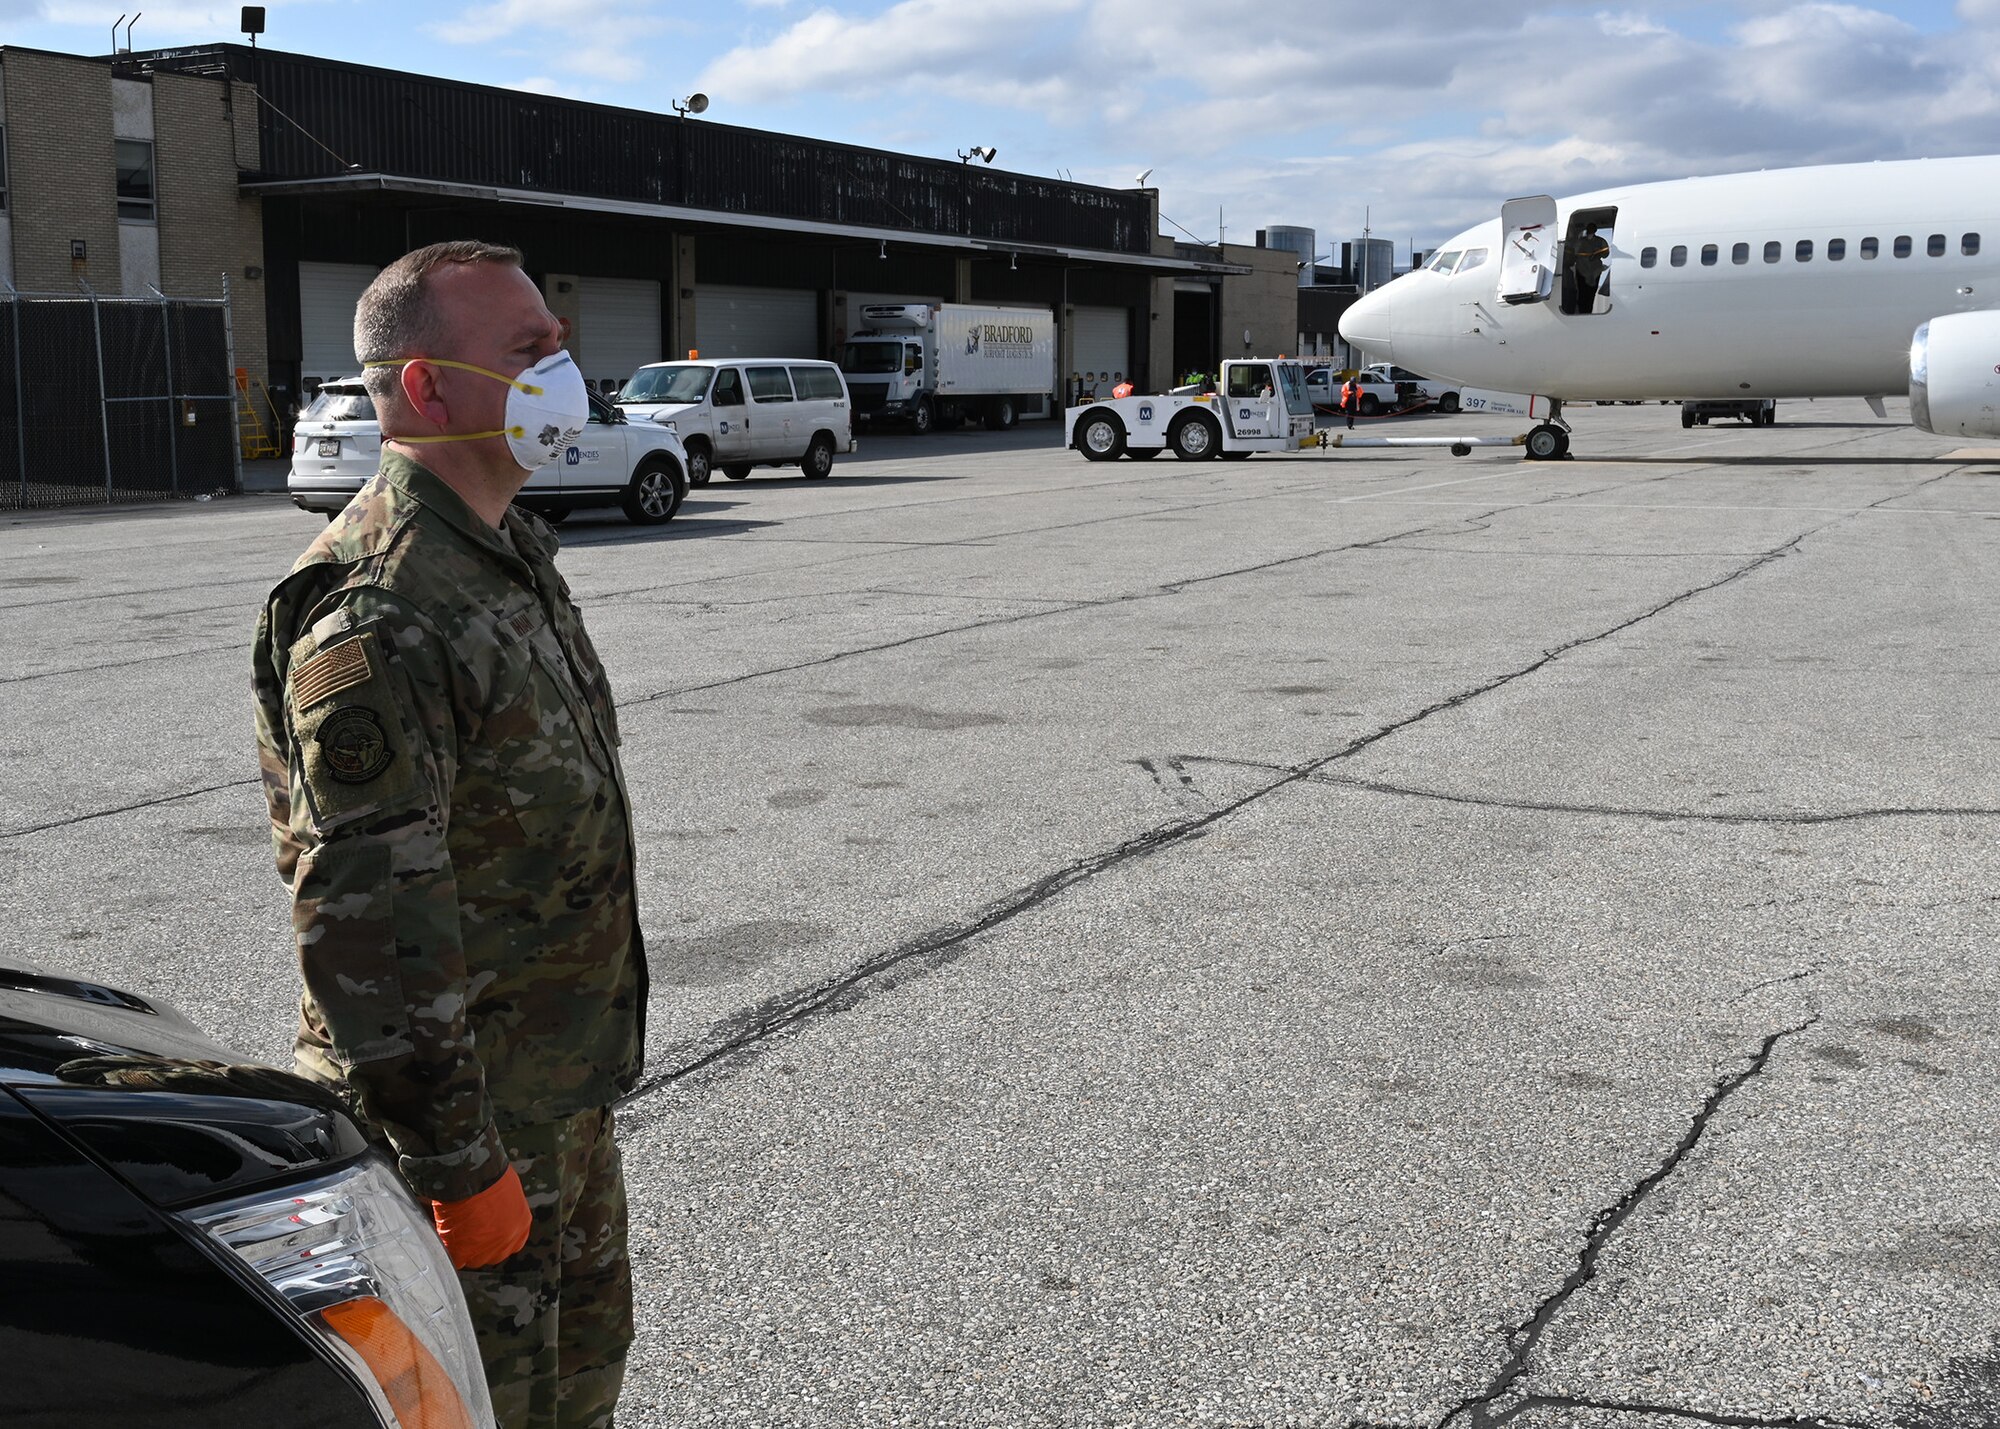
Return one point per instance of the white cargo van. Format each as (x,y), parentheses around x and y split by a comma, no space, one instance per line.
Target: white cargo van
(741,412)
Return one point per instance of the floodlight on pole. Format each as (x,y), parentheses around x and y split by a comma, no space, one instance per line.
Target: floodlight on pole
(984,155)
(1139,179)
(693,104)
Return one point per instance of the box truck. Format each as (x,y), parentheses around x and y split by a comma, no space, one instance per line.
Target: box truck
(937,365)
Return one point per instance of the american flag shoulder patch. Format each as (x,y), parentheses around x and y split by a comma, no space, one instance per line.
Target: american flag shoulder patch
(328,673)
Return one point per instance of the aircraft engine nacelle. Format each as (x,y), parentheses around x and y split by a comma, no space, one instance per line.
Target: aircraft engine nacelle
(1955,375)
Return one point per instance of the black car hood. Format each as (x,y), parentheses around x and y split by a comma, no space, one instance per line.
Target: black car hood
(179,1116)
(47,1019)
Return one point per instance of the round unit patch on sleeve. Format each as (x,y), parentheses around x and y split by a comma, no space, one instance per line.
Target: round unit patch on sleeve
(353,745)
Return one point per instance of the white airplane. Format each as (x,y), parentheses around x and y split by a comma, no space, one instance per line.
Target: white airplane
(1845,280)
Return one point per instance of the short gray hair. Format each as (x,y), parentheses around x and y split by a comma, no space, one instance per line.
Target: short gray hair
(398,317)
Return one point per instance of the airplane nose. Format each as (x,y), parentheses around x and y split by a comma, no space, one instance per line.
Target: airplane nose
(1367,324)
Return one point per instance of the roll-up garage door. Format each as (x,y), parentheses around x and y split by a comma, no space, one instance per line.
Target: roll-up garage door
(1101,340)
(618,327)
(756,322)
(328,293)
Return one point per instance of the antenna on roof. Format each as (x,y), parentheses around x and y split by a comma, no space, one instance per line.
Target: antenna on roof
(128,31)
(114,33)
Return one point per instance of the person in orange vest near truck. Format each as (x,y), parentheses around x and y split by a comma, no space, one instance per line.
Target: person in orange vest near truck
(1350,399)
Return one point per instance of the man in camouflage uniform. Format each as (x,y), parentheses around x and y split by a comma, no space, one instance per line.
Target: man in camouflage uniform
(440,757)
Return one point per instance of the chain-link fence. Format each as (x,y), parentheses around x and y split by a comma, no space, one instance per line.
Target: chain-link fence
(108,399)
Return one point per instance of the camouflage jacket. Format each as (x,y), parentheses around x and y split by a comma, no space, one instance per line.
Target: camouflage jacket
(440,757)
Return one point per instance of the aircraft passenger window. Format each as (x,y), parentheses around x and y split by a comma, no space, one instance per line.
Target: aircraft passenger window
(1679,256)
(1902,245)
(1836,249)
(1472,259)
(1969,244)
(1709,253)
(1773,251)
(1804,250)
(1936,246)
(1740,253)
(1649,257)
(1869,248)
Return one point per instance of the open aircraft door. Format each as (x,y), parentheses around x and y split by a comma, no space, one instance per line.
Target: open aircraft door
(1528,242)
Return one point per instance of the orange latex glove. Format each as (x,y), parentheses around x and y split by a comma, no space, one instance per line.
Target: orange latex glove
(487,1228)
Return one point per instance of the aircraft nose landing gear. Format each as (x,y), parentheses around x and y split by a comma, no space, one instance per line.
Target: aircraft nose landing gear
(1548,442)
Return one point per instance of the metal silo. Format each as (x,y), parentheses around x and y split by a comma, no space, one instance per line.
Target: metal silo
(1374,262)
(1300,241)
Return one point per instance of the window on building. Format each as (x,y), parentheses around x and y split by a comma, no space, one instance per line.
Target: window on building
(1902,249)
(1709,253)
(1773,251)
(135,179)
(1649,257)
(1740,253)
(1836,249)
(1804,250)
(1968,245)
(1679,256)
(1935,246)
(1870,247)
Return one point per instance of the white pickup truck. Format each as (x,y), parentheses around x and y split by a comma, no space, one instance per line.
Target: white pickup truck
(1442,396)
(1260,405)
(1378,394)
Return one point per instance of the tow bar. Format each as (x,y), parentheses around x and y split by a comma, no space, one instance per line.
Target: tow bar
(1459,446)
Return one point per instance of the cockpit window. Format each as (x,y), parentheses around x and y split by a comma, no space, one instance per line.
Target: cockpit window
(1472,259)
(1445,262)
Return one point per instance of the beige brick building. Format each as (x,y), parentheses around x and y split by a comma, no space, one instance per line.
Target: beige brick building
(130,184)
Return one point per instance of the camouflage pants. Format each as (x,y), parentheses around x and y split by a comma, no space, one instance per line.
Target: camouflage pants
(554,1320)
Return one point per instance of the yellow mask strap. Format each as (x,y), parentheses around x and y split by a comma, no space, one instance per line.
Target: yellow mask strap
(528,387)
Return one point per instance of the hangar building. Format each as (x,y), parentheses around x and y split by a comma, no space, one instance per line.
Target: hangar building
(299,177)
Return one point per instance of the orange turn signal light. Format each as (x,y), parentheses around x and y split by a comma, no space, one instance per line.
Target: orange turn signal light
(417,1386)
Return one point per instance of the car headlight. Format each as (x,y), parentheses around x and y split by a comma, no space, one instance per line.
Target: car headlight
(359,1263)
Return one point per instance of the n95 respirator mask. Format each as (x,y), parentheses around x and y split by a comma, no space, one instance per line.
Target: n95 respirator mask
(547,406)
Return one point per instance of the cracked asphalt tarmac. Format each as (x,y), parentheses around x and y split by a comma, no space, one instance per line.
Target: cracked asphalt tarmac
(1336,940)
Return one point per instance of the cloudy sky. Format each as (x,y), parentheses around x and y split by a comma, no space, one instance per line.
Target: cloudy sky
(1425,116)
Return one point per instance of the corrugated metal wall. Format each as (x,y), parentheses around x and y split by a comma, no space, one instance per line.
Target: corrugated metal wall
(320,116)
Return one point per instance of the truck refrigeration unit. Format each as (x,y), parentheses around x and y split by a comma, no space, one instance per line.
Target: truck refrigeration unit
(937,365)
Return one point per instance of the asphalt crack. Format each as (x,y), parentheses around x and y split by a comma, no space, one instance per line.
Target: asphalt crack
(749,1031)
(1168,588)
(120,664)
(1621,811)
(85,818)
(1670,1411)
(1523,1339)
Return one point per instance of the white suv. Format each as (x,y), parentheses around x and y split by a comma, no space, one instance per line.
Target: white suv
(622,461)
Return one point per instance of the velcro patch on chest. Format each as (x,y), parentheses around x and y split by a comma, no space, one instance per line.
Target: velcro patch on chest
(331,671)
